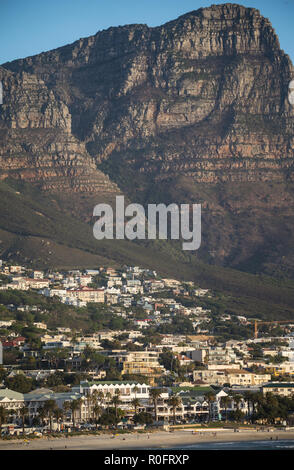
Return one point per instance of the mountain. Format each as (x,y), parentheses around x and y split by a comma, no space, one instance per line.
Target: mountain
(195,111)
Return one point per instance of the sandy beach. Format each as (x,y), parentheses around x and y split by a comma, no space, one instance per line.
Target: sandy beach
(156,440)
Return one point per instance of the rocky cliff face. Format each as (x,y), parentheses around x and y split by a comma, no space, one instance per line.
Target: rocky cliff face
(37,143)
(186,111)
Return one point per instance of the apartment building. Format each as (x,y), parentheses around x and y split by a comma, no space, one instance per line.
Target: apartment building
(286,368)
(88,295)
(285,389)
(143,363)
(230,376)
(37,283)
(213,355)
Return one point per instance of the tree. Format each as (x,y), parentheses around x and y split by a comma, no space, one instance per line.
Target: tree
(111,417)
(97,410)
(257,399)
(116,401)
(52,358)
(50,407)
(143,418)
(90,400)
(174,402)
(154,395)
(210,398)
(248,397)
(135,403)
(92,359)
(58,414)
(225,401)
(53,380)
(278,359)
(98,397)
(237,415)
(19,383)
(3,374)
(74,406)
(3,417)
(107,398)
(107,344)
(271,408)
(23,412)
(169,361)
(42,413)
(113,374)
(237,399)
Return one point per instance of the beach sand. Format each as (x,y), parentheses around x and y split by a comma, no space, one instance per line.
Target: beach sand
(132,441)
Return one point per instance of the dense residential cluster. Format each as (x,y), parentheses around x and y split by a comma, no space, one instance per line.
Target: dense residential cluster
(126,347)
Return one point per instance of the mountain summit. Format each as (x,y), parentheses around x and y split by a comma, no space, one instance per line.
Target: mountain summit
(192,111)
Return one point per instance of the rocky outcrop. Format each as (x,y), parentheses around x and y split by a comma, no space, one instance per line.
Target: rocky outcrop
(37,144)
(202,100)
(204,95)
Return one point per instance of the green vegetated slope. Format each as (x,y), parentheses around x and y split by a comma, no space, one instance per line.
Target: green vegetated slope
(35,229)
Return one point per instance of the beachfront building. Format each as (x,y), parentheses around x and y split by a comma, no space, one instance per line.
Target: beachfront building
(220,409)
(12,402)
(36,399)
(189,409)
(127,390)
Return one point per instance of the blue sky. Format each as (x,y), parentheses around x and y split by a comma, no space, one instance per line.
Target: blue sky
(29,27)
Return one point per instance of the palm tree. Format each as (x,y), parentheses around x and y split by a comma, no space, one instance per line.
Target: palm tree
(49,407)
(238,413)
(174,402)
(210,398)
(154,394)
(3,417)
(66,407)
(225,401)
(74,406)
(108,397)
(97,410)
(237,400)
(58,414)
(135,403)
(89,400)
(116,401)
(100,397)
(24,411)
(258,400)
(248,398)
(42,414)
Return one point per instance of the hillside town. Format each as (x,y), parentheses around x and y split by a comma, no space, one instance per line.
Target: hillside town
(128,348)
